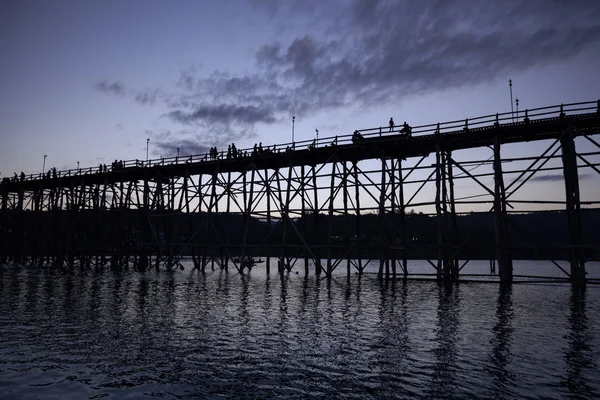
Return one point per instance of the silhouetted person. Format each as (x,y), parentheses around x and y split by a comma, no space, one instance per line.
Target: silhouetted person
(391,124)
(260,148)
(22,176)
(406,129)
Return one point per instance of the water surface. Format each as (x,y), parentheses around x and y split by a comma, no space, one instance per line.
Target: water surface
(87,334)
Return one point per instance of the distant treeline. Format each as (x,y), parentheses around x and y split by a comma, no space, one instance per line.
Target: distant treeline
(534,235)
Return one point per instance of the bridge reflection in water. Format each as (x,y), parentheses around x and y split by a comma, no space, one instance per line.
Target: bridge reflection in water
(329,203)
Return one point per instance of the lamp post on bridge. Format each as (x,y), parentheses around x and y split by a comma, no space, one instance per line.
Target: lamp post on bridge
(147,145)
(517,101)
(512,110)
(317,137)
(293,122)
(44,164)
(77,164)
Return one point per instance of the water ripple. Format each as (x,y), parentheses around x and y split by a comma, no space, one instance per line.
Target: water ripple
(85,334)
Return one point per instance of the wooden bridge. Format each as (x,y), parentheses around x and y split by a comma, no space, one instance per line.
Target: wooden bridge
(324,202)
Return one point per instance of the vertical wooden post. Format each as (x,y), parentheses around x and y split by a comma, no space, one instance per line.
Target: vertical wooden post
(247,218)
(285,260)
(304,216)
(268,189)
(446,264)
(357,210)
(438,210)
(454,239)
(330,224)
(316,223)
(505,269)
(392,238)
(573,205)
(346,217)
(228,219)
(382,241)
(403,232)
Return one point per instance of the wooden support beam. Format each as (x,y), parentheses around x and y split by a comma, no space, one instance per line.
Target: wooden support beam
(267,183)
(505,266)
(346,215)
(402,211)
(573,208)
(453,238)
(382,217)
(357,235)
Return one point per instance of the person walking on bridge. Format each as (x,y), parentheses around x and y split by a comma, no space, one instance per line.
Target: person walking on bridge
(391,124)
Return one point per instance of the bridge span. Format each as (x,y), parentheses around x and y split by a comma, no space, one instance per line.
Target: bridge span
(322,203)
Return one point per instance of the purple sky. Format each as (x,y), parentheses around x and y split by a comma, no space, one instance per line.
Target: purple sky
(91,81)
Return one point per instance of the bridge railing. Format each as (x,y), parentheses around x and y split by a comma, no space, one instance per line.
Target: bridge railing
(487,121)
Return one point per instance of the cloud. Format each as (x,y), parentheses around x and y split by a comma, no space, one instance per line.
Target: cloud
(371,52)
(186,147)
(165,143)
(224,112)
(116,88)
(557,177)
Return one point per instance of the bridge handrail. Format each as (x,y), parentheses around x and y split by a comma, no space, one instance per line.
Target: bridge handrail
(510,117)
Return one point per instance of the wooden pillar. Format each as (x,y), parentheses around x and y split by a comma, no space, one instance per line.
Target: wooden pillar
(446,263)
(316,223)
(575,252)
(438,210)
(505,269)
(403,232)
(268,189)
(357,210)
(393,210)
(304,217)
(330,224)
(247,218)
(284,262)
(382,241)
(228,219)
(346,217)
(453,238)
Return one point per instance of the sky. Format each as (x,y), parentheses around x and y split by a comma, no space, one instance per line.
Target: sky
(91,81)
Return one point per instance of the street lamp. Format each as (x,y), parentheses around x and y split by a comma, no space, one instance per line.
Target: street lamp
(317,137)
(512,111)
(293,120)
(517,101)
(178,152)
(77,164)
(44,165)
(147,144)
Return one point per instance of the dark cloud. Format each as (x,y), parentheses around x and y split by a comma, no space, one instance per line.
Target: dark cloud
(224,112)
(557,177)
(110,87)
(368,52)
(186,147)
(165,143)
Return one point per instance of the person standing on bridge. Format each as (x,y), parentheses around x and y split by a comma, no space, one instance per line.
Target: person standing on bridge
(391,124)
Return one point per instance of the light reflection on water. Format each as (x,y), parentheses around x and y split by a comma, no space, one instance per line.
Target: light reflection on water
(85,334)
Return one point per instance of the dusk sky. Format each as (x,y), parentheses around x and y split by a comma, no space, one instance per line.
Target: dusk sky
(91,81)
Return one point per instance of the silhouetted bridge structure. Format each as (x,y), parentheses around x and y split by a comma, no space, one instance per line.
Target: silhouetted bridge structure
(324,202)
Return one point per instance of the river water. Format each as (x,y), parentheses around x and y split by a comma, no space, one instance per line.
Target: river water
(87,334)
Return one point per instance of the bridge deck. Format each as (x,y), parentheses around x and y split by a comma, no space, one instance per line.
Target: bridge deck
(550,123)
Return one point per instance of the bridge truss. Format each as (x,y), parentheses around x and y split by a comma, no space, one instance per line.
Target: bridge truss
(341,202)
